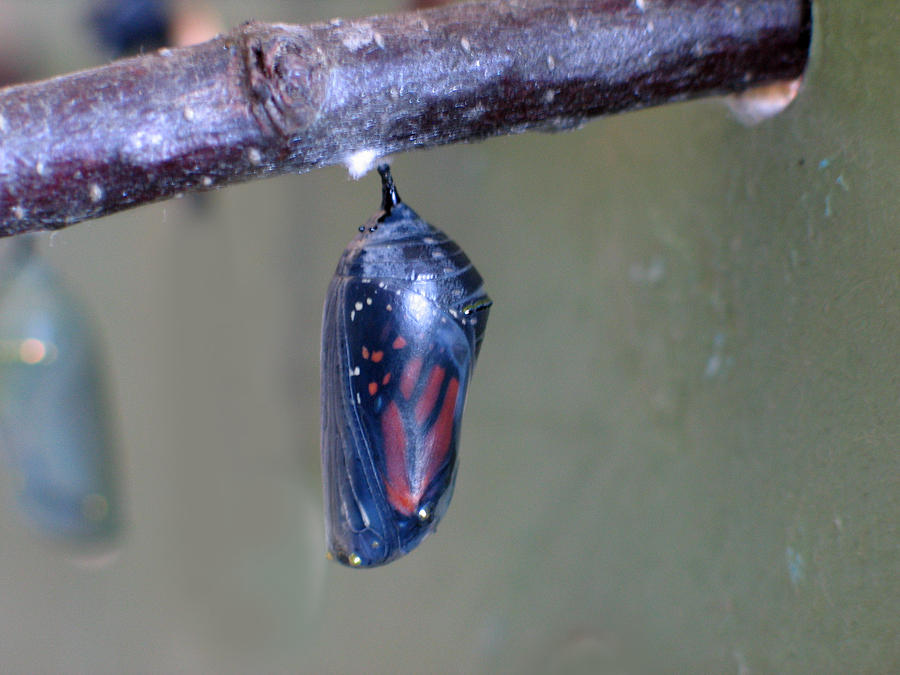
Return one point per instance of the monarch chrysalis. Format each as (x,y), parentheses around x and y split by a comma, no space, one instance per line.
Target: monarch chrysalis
(54,424)
(404,320)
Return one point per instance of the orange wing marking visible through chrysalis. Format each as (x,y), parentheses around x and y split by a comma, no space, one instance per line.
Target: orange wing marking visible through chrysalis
(403,495)
(430,395)
(409,377)
(437,442)
(397,483)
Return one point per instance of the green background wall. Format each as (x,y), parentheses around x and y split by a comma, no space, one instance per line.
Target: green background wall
(682,445)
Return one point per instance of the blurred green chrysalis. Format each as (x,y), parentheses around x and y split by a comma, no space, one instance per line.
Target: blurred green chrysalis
(54,422)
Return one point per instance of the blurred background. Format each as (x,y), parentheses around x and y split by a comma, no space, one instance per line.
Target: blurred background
(681,452)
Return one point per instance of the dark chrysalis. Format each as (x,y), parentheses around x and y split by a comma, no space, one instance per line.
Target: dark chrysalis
(404,320)
(55,431)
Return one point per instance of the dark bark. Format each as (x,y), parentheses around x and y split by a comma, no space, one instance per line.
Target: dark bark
(268,98)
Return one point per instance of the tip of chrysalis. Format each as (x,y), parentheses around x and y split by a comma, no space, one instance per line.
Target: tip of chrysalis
(389,196)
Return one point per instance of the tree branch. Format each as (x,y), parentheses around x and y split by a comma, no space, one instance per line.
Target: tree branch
(267,99)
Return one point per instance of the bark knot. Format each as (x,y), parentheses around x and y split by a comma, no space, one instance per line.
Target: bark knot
(286,77)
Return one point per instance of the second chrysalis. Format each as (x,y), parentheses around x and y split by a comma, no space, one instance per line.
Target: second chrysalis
(404,320)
